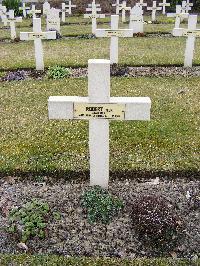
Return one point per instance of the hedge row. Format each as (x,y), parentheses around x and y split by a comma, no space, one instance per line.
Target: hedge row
(42,260)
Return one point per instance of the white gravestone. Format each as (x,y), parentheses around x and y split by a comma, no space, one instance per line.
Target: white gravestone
(69,7)
(99,108)
(164,4)
(141,3)
(12,20)
(188,6)
(116,5)
(191,33)
(24,8)
(136,19)
(178,15)
(114,33)
(154,9)
(46,8)
(3,14)
(33,12)
(123,8)
(37,36)
(53,20)
(94,15)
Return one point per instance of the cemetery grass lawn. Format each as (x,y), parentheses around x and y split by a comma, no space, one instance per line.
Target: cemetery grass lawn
(61,260)
(133,52)
(31,144)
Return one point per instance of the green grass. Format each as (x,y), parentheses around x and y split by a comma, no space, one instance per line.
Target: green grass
(32,143)
(41,260)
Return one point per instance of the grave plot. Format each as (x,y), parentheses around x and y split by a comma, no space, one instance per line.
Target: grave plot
(153,157)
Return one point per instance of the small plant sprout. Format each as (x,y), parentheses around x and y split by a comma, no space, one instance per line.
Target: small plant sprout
(58,72)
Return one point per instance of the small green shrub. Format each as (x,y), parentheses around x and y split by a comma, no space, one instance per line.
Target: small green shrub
(13,4)
(58,72)
(30,218)
(99,205)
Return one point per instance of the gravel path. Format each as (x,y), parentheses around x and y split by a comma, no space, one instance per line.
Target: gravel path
(72,235)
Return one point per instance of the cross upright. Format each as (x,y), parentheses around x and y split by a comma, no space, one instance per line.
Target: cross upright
(141,3)
(191,33)
(33,11)
(99,108)
(53,19)
(117,6)
(178,15)
(64,11)
(114,33)
(69,7)
(24,8)
(154,8)
(188,6)
(12,20)
(136,19)
(37,36)
(94,15)
(124,8)
(46,8)
(164,4)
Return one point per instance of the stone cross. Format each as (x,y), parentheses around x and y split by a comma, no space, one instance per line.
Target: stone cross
(12,20)
(69,7)
(191,33)
(24,8)
(53,19)
(136,19)
(33,11)
(124,8)
(154,8)
(46,8)
(99,108)
(94,15)
(178,15)
(141,3)
(185,7)
(163,5)
(117,6)
(188,6)
(64,11)
(37,36)
(114,33)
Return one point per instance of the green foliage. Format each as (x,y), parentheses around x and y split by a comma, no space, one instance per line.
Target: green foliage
(13,4)
(58,72)
(31,218)
(100,205)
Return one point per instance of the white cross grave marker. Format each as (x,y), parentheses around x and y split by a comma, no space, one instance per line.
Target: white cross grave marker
(69,7)
(188,6)
(136,19)
(37,36)
(24,8)
(124,8)
(178,15)
(12,20)
(33,11)
(46,8)
(94,15)
(117,6)
(191,33)
(3,14)
(154,8)
(114,33)
(64,11)
(185,7)
(53,19)
(163,5)
(99,108)
(141,3)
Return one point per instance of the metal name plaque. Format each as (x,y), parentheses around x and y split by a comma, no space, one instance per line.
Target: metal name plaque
(33,36)
(114,33)
(110,111)
(195,33)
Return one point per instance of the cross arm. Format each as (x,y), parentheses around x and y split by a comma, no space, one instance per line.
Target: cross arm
(28,36)
(178,32)
(114,33)
(135,108)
